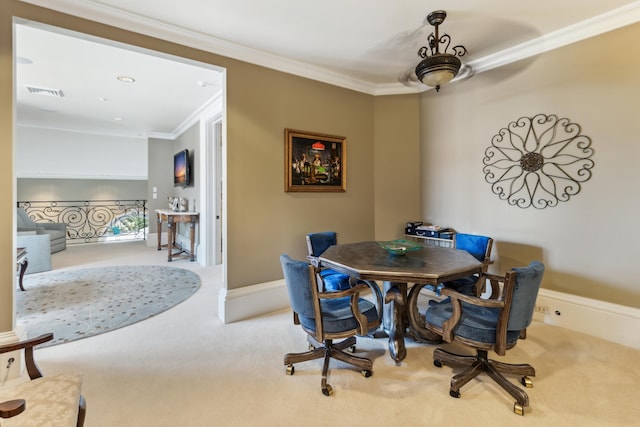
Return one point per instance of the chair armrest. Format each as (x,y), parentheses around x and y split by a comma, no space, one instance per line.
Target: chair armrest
(36,229)
(456,297)
(314,260)
(61,226)
(353,291)
(494,279)
(375,290)
(354,294)
(473,300)
(27,346)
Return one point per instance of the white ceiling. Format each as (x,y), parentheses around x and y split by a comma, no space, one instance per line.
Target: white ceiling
(164,96)
(365,45)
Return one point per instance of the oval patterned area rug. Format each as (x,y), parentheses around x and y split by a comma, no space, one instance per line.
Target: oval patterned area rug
(75,304)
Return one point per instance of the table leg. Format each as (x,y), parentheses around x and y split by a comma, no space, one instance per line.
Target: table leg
(192,236)
(171,237)
(395,318)
(23,267)
(159,219)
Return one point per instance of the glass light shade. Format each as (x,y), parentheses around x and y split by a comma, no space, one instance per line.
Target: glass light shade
(438,69)
(437,78)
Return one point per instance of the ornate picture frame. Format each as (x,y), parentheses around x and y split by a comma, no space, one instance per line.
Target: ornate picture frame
(315,162)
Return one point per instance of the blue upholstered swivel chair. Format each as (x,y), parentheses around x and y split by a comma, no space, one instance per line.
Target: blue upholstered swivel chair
(317,243)
(480,247)
(488,324)
(326,316)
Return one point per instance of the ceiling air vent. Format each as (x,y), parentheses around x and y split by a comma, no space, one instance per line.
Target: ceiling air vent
(45,91)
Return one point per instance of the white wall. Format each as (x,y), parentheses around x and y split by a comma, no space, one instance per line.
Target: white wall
(589,244)
(48,153)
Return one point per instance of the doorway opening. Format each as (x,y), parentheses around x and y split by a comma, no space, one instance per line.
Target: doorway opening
(114,105)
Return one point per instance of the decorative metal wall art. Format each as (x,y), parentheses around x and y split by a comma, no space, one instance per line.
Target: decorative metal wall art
(538,161)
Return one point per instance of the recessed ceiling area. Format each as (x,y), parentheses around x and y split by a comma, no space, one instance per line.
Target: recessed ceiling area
(70,81)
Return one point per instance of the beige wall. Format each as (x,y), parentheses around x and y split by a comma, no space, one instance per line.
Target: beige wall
(262,220)
(589,244)
(396,164)
(161,153)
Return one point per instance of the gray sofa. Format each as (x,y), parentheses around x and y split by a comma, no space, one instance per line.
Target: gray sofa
(56,231)
(38,248)
(40,241)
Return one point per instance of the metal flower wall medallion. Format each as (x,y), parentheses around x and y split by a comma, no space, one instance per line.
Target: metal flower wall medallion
(538,161)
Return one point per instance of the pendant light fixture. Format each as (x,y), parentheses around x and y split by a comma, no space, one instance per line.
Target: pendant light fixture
(438,68)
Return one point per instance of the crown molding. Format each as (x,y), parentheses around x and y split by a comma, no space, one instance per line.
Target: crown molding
(194,117)
(116,17)
(609,21)
(132,135)
(91,10)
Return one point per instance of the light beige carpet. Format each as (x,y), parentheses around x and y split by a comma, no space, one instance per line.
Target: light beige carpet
(185,368)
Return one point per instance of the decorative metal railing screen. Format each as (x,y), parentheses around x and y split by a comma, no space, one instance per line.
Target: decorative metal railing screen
(94,221)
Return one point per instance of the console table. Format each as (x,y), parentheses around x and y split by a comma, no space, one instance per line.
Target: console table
(173,218)
(22,262)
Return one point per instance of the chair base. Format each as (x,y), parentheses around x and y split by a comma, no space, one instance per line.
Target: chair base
(328,350)
(481,363)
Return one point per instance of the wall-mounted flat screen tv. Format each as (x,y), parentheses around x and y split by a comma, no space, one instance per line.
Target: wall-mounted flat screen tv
(181,169)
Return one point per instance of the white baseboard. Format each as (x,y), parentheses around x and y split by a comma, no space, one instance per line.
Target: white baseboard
(251,301)
(612,322)
(152,239)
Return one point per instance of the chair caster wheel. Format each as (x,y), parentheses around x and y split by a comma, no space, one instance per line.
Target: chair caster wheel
(518,409)
(367,373)
(526,381)
(437,363)
(454,393)
(290,369)
(327,391)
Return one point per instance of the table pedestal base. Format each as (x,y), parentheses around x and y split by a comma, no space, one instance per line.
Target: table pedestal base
(401,318)
(394,319)
(417,324)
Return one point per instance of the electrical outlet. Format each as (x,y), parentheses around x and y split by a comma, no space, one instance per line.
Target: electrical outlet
(542,309)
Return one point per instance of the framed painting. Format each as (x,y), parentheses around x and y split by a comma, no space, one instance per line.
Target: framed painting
(315,162)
